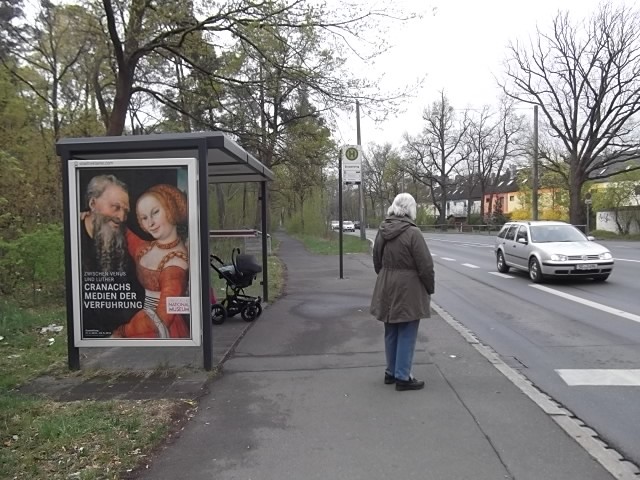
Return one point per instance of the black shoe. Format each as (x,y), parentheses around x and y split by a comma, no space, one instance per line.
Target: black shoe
(389,379)
(411,384)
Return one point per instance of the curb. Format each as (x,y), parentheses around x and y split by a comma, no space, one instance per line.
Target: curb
(587,438)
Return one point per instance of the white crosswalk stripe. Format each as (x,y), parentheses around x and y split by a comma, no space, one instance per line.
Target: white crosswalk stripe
(470,265)
(600,377)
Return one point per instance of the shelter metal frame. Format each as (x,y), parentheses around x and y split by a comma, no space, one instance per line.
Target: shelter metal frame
(219,160)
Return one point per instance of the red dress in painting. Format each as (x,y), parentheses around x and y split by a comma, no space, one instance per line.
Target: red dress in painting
(153,321)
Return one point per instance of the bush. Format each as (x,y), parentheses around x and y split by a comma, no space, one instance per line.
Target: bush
(554,214)
(424,218)
(475,219)
(32,266)
(521,214)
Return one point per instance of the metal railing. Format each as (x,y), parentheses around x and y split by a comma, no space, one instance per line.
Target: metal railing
(461,228)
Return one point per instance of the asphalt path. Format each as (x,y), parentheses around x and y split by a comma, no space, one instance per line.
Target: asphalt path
(555,332)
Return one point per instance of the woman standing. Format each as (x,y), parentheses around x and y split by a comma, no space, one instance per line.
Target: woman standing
(162,265)
(403,290)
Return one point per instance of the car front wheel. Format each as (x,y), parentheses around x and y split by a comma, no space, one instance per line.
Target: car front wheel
(501,264)
(535,273)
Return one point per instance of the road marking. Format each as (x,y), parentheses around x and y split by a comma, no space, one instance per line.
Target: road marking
(626,260)
(469,265)
(601,377)
(586,437)
(503,275)
(589,303)
(448,259)
(458,242)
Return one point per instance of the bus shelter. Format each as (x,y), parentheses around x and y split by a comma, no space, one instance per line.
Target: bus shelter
(137,231)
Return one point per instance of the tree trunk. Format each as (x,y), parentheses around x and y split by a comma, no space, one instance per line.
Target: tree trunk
(576,206)
(124,85)
(221,205)
(244,204)
(443,197)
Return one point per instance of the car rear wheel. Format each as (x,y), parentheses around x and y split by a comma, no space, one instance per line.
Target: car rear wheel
(501,264)
(601,278)
(535,273)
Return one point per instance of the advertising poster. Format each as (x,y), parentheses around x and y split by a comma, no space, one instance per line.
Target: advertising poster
(135,252)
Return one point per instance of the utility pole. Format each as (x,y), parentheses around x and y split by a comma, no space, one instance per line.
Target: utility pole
(340,248)
(534,168)
(363,235)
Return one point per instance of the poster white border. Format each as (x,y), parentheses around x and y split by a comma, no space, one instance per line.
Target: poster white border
(195,290)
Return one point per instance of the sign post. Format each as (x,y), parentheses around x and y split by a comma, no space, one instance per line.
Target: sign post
(349,173)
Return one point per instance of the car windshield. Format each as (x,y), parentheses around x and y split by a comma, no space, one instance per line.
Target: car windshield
(556,233)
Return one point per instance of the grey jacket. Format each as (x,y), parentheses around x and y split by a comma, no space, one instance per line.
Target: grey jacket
(406,279)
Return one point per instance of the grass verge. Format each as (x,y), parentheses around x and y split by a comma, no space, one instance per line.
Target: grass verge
(86,440)
(45,439)
(606,235)
(329,245)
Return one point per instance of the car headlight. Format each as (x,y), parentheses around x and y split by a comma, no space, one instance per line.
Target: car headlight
(606,256)
(559,258)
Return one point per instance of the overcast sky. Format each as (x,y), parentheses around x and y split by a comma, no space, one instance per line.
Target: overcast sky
(460,46)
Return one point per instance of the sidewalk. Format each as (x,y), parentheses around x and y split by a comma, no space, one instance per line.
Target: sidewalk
(302,397)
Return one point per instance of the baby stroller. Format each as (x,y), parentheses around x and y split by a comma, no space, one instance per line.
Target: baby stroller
(238,276)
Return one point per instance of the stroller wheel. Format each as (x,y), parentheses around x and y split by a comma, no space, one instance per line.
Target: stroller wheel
(251,312)
(218,314)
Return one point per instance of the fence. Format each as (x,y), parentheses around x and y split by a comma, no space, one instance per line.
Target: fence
(461,228)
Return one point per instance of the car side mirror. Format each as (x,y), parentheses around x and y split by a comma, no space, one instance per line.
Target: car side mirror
(523,241)
(591,238)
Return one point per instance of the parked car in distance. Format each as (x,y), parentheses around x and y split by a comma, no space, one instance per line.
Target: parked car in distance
(335,224)
(356,224)
(348,226)
(551,249)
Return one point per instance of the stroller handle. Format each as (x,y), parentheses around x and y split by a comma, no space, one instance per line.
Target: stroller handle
(234,254)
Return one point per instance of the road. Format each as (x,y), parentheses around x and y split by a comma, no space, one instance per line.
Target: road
(578,341)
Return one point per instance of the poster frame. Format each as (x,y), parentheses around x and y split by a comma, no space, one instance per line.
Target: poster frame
(195,293)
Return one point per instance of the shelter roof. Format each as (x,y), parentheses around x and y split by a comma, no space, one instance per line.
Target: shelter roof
(227,162)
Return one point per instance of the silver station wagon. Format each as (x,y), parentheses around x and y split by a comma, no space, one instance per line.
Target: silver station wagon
(551,249)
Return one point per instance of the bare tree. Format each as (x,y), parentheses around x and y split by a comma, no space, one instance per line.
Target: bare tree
(586,79)
(437,152)
(380,168)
